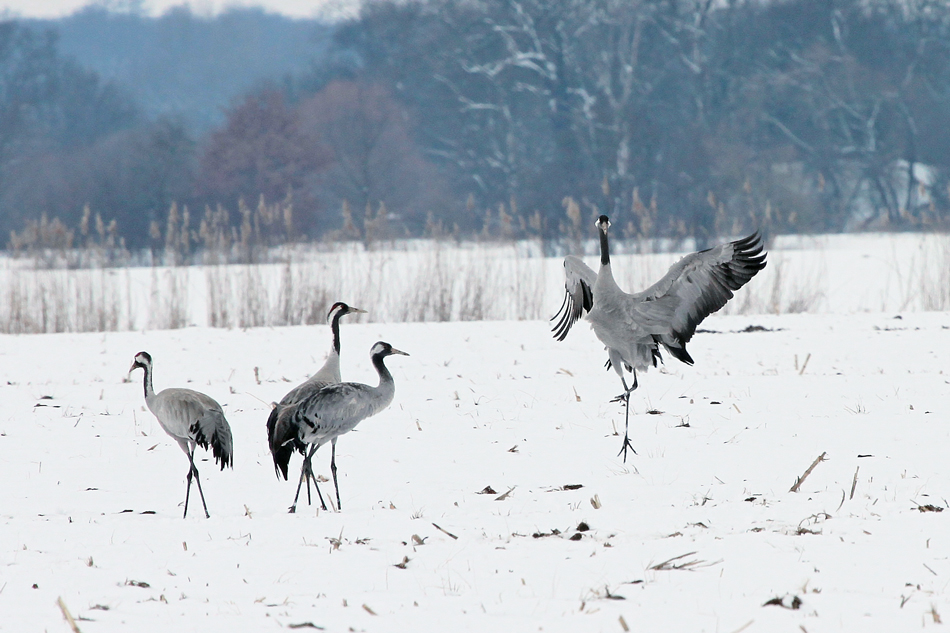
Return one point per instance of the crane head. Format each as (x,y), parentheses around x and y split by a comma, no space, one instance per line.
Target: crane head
(339,308)
(602,223)
(143,360)
(382,349)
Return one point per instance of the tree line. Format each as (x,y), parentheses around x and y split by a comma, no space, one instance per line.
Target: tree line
(818,115)
(519,117)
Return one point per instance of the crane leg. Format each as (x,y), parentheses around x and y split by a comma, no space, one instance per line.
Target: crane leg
(625,397)
(323,505)
(303,475)
(306,473)
(306,469)
(193,472)
(336,486)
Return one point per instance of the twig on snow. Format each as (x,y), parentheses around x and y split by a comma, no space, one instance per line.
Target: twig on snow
(445,532)
(668,565)
(67,615)
(744,626)
(504,496)
(800,480)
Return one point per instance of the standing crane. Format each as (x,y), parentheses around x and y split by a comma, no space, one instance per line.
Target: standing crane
(634,326)
(192,419)
(281,432)
(337,409)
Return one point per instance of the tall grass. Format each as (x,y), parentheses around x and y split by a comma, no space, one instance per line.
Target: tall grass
(923,275)
(444,280)
(63,300)
(441,282)
(168,298)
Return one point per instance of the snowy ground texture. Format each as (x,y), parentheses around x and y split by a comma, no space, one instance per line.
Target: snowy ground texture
(697,532)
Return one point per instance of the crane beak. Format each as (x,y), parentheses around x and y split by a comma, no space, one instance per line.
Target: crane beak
(399,351)
(353,310)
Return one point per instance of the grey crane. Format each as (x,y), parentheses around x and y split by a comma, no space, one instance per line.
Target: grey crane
(192,419)
(281,432)
(337,409)
(634,326)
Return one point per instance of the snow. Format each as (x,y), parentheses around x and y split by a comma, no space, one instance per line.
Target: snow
(91,509)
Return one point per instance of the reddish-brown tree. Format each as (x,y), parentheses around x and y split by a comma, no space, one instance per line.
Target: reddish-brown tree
(374,158)
(262,150)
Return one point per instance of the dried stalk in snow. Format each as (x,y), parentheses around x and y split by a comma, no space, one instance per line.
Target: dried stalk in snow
(800,480)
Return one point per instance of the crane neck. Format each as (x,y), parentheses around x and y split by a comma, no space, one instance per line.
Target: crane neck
(385,378)
(147,382)
(330,372)
(604,249)
(605,277)
(335,328)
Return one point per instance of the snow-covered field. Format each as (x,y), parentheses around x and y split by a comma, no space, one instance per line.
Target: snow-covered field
(697,532)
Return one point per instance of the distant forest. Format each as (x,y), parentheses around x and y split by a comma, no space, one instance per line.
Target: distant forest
(498,117)
(187,66)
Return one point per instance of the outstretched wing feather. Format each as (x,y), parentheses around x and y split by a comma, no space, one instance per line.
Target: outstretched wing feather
(703,282)
(579,281)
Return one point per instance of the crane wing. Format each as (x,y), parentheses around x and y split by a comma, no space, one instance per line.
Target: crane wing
(282,437)
(335,409)
(202,418)
(212,429)
(305,389)
(703,282)
(282,431)
(579,281)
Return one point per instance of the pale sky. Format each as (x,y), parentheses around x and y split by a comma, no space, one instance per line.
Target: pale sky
(293,8)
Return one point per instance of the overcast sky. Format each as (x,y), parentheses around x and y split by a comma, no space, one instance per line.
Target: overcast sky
(58,8)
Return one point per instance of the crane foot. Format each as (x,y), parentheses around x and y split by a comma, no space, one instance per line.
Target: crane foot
(626,445)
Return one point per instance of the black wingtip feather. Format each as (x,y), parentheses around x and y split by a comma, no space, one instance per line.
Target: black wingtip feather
(748,252)
(282,460)
(222,454)
(747,260)
(568,315)
(282,441)
(220,444)
(572,308)
(280,465)
(588,297)
(563,303)
(680,354)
